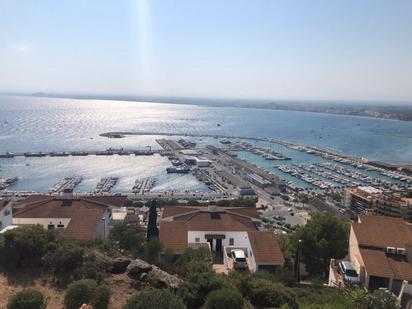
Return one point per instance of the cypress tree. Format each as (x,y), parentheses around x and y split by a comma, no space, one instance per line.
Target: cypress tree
(152,230)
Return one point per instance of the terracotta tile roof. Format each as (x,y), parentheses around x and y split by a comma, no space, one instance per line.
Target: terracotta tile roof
(382,232)
(378,263)
(85,213)
(265,248)
(206,221)
(173,235)
(178,210)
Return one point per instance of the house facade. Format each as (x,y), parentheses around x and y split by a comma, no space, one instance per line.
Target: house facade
(221,229)
(380,248)
(5,214)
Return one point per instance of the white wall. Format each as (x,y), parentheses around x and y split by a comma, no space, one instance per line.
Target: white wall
(42,221)
(241,239)
(6,217)
(103,230)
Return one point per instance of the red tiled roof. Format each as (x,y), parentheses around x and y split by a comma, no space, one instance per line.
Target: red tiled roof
(173,235)
(265,248)
(380,264)
(85,213)
(382,232)
(170,211)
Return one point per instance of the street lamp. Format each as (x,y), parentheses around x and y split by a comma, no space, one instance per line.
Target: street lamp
(104,227)
(297,261)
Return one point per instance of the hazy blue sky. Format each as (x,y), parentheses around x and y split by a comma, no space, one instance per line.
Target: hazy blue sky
(349,49)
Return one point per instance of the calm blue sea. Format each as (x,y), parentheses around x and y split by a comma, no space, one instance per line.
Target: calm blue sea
(46,124)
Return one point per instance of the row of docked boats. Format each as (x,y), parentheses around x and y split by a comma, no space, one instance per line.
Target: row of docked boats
(66,183)
(143,185)
(105,185)
(293,171)
(6,182)
(328,175)
(355,174)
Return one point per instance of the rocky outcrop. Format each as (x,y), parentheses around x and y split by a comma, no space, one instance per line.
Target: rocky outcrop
(144,274)
(137,267)
(161,279)
(119,265)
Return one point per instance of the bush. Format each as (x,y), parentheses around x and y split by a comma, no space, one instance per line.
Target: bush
(129,237)
(198,285)
(86,291)
(65,259)
(154,299)
(79,293)
(26,299)
(224,299)
(25,246)
(264,293)
(102,297)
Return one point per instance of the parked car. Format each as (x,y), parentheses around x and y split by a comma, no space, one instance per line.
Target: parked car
(239,259)
(348,272)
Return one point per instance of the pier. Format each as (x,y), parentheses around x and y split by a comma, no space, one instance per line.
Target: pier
(107,152)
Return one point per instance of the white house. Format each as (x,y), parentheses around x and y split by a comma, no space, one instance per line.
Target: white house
(221,229)
(76,217)
(5,214)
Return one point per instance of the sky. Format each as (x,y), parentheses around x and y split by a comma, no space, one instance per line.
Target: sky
(255,49)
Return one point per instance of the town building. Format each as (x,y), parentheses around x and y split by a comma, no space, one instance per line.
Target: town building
(380,248)
(221,229)
(364,200)
(5,214)
(76,217)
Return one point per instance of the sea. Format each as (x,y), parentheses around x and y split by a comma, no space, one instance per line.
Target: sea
(59,124)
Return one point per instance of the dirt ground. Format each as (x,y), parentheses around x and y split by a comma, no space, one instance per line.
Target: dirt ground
(11,284)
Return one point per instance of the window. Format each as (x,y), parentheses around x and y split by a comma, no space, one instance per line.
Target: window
(50,226)
(197,239)
(231,241)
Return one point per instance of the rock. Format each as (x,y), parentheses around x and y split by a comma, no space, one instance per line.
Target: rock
(143,277)
(162,279)
(119,265)
(137,266)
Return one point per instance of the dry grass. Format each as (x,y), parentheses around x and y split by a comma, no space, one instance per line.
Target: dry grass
(12,283)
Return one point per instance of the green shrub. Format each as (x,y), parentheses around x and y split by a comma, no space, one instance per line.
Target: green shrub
(264,293)
(224,299)
(154,299)
(26,299)
(130,237)
(65,259)
(79,293)
(102,297)
(25,246)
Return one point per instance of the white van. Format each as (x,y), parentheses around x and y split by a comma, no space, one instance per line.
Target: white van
(239,259)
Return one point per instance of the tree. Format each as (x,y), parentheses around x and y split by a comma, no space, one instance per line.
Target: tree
(224,299)
(153,248)
(323,237)
(26,299)
(128,237)
(152,230)
(25,246)
(382,299)
(86,291)
(154,299)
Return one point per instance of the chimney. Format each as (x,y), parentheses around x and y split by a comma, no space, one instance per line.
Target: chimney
(212,207)
(68,194)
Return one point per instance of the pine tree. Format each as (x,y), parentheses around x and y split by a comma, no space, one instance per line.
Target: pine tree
(152,230)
